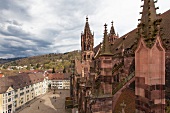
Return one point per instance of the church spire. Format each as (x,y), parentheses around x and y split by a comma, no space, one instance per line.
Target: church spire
(87,38)
(87,27)
(150,24)
(106,46)
(112,30)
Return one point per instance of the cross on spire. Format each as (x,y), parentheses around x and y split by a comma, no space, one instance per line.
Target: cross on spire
(105,25)
(112,23)
(87,18)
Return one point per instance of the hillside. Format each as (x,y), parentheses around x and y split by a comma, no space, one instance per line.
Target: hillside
(49,61)
(3,61)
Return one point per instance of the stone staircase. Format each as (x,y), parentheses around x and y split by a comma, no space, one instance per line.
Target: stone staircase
(117,67)
(124,82)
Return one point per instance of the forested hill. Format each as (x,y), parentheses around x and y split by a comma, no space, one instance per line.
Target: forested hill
(6,60)
(58,61)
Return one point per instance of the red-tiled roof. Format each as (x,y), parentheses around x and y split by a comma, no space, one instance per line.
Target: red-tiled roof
(1,75)
(58,76)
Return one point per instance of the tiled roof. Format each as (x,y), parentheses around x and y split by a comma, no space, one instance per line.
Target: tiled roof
(20,81)
(58,76)
(97,51)
(166,29)
(130,41)
(1,75)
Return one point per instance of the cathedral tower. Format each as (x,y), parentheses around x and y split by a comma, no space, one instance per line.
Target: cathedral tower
(87,43)
(87,54)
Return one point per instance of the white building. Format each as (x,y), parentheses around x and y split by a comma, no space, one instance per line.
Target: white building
(59,80)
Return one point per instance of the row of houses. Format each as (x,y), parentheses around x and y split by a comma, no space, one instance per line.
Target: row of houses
(16,91)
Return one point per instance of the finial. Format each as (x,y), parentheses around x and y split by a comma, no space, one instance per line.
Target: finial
(87,18)
(156,1)
(112,23)
(105,30)
(105,25)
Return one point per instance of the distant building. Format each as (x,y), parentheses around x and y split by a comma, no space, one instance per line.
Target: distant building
(59,80)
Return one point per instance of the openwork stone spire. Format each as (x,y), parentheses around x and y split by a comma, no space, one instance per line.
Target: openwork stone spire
(87,38)
(106,46)
(87,27)
(150,24)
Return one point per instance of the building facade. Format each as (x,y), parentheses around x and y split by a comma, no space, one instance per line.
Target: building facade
(59,80)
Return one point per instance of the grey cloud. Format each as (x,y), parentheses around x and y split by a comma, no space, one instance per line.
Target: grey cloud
(15,7)
(19,47)
(25,30)
(17,31)
(14,22)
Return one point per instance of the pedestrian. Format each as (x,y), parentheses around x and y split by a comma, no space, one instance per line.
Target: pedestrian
(38,107)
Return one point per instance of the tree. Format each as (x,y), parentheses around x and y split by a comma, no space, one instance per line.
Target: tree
(38,65)
(64,70)
(53,70)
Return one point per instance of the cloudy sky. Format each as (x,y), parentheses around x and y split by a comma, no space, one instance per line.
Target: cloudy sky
(34,27)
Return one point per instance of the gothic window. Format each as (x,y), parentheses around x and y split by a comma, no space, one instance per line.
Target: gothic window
(88,56)
(147,94)
(158,87)
(84,57)
(152,87)
(88,47)
(84,46)
(107,61)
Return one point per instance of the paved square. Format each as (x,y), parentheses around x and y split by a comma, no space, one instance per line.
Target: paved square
(47,104)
